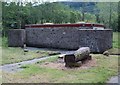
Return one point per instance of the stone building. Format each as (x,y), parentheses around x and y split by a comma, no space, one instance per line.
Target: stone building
(63,36)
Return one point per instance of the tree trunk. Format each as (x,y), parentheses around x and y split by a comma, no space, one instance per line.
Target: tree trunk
(110,14)
(97,18)
(83,11)
(69,60)
(82,53)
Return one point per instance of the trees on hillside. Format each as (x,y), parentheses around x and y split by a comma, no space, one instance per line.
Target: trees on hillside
(16,15)
(119,16)
(108,14)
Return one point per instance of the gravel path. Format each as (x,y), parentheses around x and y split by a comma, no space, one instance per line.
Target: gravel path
(115,79)
(12,68)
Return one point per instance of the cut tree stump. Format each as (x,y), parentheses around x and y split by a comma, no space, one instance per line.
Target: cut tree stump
(69,60)
(82,54)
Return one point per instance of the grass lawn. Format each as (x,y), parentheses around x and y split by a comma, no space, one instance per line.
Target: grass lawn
(105,68)
(13,55)
(116,43)
(0,76)
(116,40)
(17,54)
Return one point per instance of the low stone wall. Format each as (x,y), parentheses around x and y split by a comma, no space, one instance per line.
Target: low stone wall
(65,38)
(69,38)
(96,40)
(16,37)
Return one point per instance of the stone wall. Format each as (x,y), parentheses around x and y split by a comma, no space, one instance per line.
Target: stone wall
(16,37)
(97,40)
(65,38)
(69,38)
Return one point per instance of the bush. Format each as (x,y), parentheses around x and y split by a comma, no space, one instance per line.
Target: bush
(4,41)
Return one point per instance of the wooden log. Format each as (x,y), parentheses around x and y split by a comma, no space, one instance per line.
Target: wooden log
(87,58)
(69,60)
(61,56)
(82,54)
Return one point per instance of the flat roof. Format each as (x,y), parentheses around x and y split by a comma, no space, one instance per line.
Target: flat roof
(63,25)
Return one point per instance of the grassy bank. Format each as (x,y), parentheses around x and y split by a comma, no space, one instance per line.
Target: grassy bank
(116,40)
(105,68)
(17,54)
(13,55)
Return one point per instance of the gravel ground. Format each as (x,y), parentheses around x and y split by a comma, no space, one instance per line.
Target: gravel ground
(114,79)
(16,66)
(12,68)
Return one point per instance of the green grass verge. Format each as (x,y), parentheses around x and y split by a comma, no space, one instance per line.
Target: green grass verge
(0,76)
(13,55)
(106,67)
(17,54)
(116,40)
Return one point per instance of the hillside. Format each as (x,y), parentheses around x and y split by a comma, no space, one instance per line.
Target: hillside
(89,6)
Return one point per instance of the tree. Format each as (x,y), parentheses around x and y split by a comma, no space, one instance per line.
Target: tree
(108,14)
(119,16)
(96,12)
(83,10)
(0,12)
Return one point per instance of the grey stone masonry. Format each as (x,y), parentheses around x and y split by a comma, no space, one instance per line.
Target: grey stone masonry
(69,38)
(62,38)
(65,38)
(16,37)
(96,40)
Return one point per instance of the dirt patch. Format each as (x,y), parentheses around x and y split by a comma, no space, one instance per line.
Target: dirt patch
(59,64)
